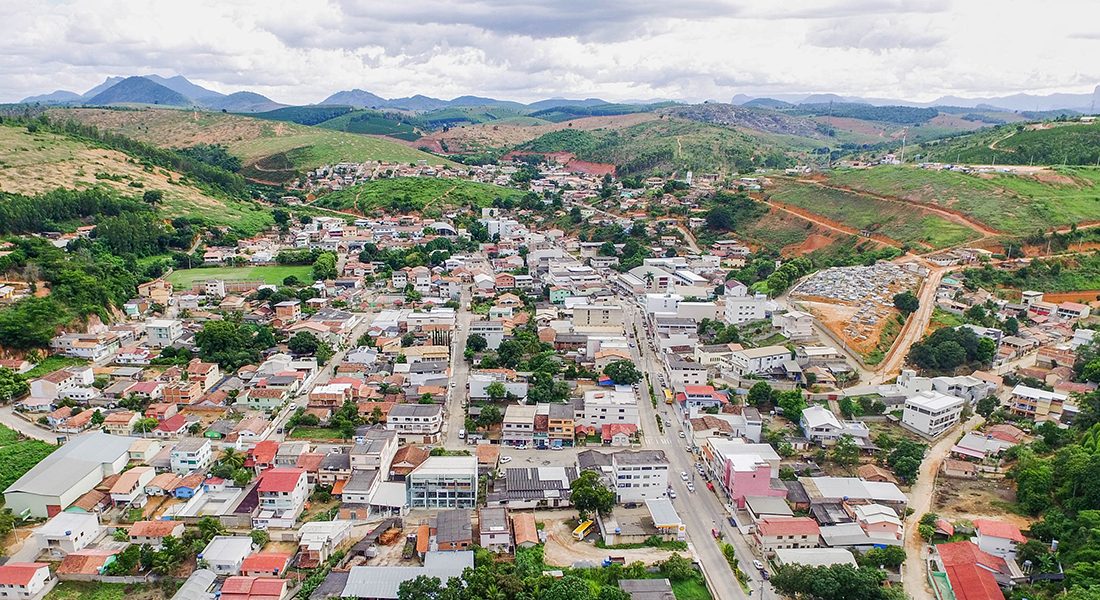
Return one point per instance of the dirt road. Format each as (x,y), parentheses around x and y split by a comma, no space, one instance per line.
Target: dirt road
(920,500)
(563,550)
(914,327)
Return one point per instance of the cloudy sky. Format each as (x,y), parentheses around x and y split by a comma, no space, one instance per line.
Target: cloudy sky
(300,51)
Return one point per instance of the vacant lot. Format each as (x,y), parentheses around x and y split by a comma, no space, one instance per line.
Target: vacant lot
(76,590)
(1016,204)
(975,499)
(274,274)
(18,455)
(904,223)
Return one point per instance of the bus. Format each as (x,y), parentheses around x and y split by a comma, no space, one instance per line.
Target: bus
(583,529)
(668,396)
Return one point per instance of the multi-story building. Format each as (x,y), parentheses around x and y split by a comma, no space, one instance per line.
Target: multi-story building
(492,331)
(610,406)
(686,372)
(416,423)
(560,426)
(639,475)
(597,315)
(757,361)
(163,332)
(518,427)
(374,449)
(786,532)
(282,495)
(931,413)
(23,580)
(1035,403)
(443,482)
(191,454)
(743,306)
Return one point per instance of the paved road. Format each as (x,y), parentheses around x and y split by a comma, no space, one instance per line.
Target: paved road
(10,419)
(700,510)
(455,420)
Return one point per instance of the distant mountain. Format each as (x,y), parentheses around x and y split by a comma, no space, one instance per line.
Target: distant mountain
(479,101)
(356,98)
(57,97)
(139,90)
(766,103)
(1088,103)
(417,102)
(180,84)
(559,102)
(242,102)
(107,83)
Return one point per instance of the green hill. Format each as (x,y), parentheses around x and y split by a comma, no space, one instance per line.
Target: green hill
(415,194)
(373,123)
(1056,143)
(1014,204)
(304,115)
(669,145)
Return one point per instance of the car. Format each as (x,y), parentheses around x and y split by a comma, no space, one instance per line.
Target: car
(759,565)
(732,520)
(668,423)
(452,384)
(461,434)
(672,494)
(765,575)
(682,434)
(684,475)
(691,487)
(505,460)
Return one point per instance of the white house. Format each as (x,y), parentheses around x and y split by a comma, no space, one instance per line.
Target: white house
(225,553)
(23,580)
(999,538)
(163,332)
(821,426)
(416,423)
(191,454)
(282,494)
(610,406)
(931,413)
(743,306)
(795,324)
(492,331)
(757,361)
(66,533)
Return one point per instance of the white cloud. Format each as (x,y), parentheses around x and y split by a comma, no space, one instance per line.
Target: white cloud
(300,51)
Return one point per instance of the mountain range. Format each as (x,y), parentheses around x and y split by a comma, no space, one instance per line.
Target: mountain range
(178,91)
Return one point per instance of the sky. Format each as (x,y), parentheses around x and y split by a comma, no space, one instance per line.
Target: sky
(301,51)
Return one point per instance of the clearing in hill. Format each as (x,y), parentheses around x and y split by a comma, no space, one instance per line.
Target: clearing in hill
(906,223)
(273,274)
(1049,143)
(39,162)
(273,151)
(419,194)
(1016,204)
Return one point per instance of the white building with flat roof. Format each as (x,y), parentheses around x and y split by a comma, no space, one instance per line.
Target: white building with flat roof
(931,413)
(605,406)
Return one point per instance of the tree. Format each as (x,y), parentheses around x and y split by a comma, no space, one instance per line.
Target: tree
(496,391)
(476,342)
(153,197)
(890,556)
(835,582)
(987,405)
(259,538)
(678,568)
(845,452)
(1011,326)
(408,340)
(792,402)
(760,394)
(146,425)
(420,587)
(623,372)
(490,415)
(905,459)
(303,343)
(569,587)
(325,266)
(12,385)
(590,495)
(906,302)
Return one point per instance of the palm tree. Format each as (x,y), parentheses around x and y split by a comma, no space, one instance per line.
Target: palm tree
(232,458)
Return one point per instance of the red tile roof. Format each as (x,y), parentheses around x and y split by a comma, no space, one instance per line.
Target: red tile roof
(999,529)
(172,424)
(280,480)
(19,574)
(610,430)
(788,526)
(153,528)
(266,562)
(698,390)
(264,452)
(253,588)
(84,562)
(970,571)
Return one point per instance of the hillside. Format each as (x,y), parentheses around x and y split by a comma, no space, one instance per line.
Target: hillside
(1051,143)
(371,122)
(666,146)
(270,151)
(139,90)
(412,194)
(35,163)
(1015,204)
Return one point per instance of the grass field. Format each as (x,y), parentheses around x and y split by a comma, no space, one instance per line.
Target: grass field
(372,123)
(422,194)
(79,590)
(53,363)
(904,223)
(277,149)
(273,274)
(315,433)
(1014,204)
(17,456)
(34,163)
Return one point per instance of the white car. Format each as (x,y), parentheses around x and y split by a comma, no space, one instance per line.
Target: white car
(759,565)
(505,460)
(684,475)
(691,487)
(672,493)
(682,434)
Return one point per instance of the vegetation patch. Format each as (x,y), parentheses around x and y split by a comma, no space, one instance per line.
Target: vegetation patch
(18,455)
(416,194)
(273,274)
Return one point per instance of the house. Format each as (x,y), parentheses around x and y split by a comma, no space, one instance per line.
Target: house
(639,475)
(182,392)
(647,589)
(493,530)
(68,473)
(129,489)
(67,532)
(225,554)
(999,538)
(524,530)
(71,382)
(24,580)
(408,458)
(270,564)
(618,434)
(162,333)
(821,426)
(206,374)
(492,331)
(871,472)
(452,530)
(687,373)
(959,468)
(319,539)
(416,423)
(1035,403)
(757,361)
(253,588)
(120,423)
(529,487)
(610,406)
(152,533)
(794,324)
(518,426)
(86,563)
(786,532)
(282,495)
(973,574)
(374,448)
(377,582)
(288,310)
(443,482)
(931,413)
(191,454)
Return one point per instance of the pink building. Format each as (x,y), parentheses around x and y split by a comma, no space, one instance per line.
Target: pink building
(748,475)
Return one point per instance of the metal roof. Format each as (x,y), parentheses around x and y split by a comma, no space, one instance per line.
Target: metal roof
(70,463)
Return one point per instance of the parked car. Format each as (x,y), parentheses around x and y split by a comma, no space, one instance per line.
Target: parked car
(505,460)
(684,475)
(759,565)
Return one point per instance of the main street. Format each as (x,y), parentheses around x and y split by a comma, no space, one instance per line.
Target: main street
(700,510)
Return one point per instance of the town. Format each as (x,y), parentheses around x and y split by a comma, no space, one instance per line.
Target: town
(415,392)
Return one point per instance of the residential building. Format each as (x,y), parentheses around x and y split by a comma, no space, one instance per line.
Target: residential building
(786,532)
(282,495)
(821,426)
(999,538)
(686,372)
(416,423)
(1036,403)
(152,533)
(795,324)
(494,532)
(931,413)
(443,482)
(560,426)
(639,475)
(492,331)
(24,580)
(518,427)
(162,333)
(225,554)
(191,454)
(66,533)
(757,361)
(619,405)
